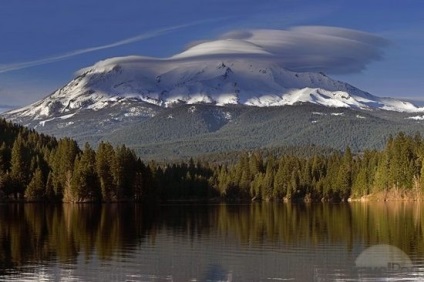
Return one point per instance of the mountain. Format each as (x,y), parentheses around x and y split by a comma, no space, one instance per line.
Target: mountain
(146,102)
(137,83)
(194,130)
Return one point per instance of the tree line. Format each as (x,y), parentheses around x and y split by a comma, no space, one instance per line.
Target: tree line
(38,167)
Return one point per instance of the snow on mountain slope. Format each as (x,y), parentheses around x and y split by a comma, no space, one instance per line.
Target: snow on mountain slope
(216,76)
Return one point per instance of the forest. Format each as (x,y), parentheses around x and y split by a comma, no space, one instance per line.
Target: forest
(37,167)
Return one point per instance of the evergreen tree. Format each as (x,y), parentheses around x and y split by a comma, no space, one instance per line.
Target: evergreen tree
(381,176)
(344,180)
(242,173)
(124,172)
(105,158)
(36,188)
(256,187)
(62,165)
(4,157)
(139,181)
(49,188)
(20,169)
(3,191)
(280,182)
(85,182)
(268,181)
(255,164)
(292,186)
(360,183)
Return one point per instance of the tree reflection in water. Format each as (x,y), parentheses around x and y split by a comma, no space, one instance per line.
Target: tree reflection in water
(36,233)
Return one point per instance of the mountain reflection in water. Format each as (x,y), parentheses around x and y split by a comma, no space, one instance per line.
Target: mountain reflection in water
(250,242)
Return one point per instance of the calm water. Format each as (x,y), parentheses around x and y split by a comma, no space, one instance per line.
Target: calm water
(257,242)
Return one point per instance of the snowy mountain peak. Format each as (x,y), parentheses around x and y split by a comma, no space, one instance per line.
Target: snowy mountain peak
(219,81)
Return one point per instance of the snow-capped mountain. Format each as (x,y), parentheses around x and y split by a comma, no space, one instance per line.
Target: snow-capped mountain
(227,94)
(184,108)
(219,80)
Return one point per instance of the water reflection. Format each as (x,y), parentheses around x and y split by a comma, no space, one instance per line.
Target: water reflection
(203,242)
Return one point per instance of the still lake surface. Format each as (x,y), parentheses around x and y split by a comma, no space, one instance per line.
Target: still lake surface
(220,242)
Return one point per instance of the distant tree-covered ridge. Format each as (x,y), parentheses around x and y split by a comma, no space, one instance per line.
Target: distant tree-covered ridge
(36,167)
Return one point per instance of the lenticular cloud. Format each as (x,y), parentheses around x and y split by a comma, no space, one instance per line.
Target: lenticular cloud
(307,48)
(302,49)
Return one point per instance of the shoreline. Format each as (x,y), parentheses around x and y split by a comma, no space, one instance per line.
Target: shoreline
(392,195)
(370,198)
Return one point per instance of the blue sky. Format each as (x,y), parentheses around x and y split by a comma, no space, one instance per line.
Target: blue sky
(43,43)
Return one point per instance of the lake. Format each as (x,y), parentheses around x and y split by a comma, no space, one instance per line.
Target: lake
(212,242)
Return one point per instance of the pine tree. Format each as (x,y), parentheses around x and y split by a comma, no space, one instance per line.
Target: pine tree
(105,158)
(280,182)
(242,173)
(49,188)
(4,157)
(360,183)
(256,189)
(36,188)
(3,191)
(268,181)
(69,193)
(139,182)
(255,164)
(20,170)
(344,176)
(62,165)
(381,176)
(85,182)
(124,172)
(295,182)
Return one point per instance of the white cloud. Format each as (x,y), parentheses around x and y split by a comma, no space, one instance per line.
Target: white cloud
(303,49)
(306,48)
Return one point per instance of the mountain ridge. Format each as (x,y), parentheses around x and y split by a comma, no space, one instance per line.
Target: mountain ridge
(210,81)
